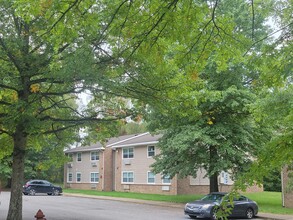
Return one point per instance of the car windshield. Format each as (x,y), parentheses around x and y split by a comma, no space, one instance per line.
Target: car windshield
(212,197)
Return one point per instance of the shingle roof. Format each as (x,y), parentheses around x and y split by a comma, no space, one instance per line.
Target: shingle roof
(121,141)
(141,139)
(96,146)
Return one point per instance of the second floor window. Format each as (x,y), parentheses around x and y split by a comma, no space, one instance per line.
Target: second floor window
(95,155)
(151,151)
(78,157)
(128,153)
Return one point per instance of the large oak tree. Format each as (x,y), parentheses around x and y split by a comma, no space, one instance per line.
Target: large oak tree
(202,50)
(50,51)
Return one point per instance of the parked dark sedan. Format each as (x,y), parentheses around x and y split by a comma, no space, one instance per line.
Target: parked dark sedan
(206,207)
(41,186)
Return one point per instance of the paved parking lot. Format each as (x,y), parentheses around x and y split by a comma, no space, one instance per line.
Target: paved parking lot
(76,208)
(80,208)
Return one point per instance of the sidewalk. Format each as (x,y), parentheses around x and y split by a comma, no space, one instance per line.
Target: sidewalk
(174,205)
(274,216)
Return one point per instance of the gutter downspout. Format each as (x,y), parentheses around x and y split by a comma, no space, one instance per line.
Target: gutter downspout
(114,169)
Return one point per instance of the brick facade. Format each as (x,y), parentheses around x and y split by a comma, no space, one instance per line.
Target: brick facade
(107,170)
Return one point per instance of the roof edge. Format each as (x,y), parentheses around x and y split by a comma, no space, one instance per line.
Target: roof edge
(135,144)
(136,136)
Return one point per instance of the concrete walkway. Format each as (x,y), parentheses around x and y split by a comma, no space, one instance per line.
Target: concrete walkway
(175,205)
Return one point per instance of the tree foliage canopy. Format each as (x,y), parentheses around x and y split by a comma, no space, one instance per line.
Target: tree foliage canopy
(190,62)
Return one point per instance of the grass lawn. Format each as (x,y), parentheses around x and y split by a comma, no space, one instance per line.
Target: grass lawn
(269,202)
(153,197)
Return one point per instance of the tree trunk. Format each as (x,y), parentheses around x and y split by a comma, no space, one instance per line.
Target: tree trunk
(214,186)
(15,205)
(8,183)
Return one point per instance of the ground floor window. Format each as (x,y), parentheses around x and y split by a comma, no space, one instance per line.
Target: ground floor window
(166,179)
(94,177)
(151,177)
(78,177)
(127,177)
(69,177)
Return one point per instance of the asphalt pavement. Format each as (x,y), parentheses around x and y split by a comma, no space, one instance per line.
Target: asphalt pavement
(260,215)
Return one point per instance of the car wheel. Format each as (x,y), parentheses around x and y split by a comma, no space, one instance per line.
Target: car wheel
(249,213)
(56,192)
(32,192)
(25,193)
(214,214)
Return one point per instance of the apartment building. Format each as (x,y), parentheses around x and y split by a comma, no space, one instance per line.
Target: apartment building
(123,164)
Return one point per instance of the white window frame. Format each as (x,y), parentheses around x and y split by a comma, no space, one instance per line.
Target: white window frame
(128,154)
(93,178)
(149,178)
(68,177)
(96,156)
(153,151)
(78,173)
(164,178)
(127,172)
(78,153)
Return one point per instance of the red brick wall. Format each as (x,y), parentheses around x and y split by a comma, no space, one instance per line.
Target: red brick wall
(184,187)
(106,173)
(93,186)
(147,188)
(117,169)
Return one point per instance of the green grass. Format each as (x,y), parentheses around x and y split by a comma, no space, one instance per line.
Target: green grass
(143,196)
(269,202)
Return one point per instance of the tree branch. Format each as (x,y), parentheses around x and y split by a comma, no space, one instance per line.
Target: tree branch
(9,54)
(269,35)
(8,87)
(253,19)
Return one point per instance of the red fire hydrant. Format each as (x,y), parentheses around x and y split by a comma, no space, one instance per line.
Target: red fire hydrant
(40,215)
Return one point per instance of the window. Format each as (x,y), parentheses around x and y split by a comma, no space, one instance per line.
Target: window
(78,157)
(69,177)
(128,153)
(151,177)
(151,151)
(166,179)
(94,177)
(95,155)
(78,177)
(127,177)
(241,198)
